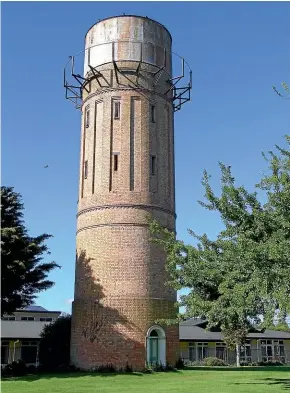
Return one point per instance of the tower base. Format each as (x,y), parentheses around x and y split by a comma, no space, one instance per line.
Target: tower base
(117,332)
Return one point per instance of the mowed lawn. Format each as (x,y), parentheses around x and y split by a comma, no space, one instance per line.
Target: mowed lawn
(263,380)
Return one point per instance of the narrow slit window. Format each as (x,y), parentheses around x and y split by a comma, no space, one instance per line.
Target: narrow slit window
(116,110)
(87,118)
(115,162)
(153,113)
(153,165)
(86,169)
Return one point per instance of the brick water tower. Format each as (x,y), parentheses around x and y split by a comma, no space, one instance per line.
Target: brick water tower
(127,95)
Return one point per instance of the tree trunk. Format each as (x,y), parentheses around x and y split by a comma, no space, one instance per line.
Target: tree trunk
(238,355)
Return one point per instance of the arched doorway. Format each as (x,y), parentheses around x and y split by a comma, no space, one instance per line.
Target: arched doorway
(156,345)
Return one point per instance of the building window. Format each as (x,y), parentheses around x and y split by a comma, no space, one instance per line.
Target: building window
(272,350)
(117,110)
(27,318)
(87,118)
(4,352)
(153,113)
(29,343)
(86,169)
(221,351)
(45,319)
(202,351)
(245,352)
(115,161)
(29,353)
(191,352)
(198,351)
(153,165)
(8,319)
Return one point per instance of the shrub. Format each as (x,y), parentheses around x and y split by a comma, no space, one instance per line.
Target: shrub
(158,367)
(128,368)
(6,371)
(270,363)
(169,367)
(148,369)
(196,363)
(18,368)
(63,368)
(31,369)
(179,364)
(212,361)
(107,368)
(244,363)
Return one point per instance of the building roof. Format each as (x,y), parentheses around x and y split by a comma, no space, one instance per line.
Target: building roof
(34,308)
(193,322)
(270,334)
(194,329)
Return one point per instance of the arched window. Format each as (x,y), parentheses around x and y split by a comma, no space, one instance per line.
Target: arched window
(154,333)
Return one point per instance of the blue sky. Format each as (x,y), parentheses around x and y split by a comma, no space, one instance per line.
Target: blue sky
(237,51)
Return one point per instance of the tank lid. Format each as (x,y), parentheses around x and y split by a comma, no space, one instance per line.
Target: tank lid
(131,16)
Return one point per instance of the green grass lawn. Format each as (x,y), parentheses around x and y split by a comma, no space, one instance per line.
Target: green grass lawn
(209,380)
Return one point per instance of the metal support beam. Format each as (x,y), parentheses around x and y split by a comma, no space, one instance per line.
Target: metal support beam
(179,95)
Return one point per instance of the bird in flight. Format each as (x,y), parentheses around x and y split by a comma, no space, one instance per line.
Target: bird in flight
(45,166)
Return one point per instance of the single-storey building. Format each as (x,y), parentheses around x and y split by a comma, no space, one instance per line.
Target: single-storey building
(20,336)
(20,333)
(197,343)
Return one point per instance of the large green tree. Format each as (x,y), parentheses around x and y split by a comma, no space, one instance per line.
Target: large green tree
(243,274)
(54,347)
(23,274)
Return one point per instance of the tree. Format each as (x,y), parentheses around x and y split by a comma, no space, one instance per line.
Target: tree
(54,346)
(23,272)
(244,273)
(280,327)
(277,245)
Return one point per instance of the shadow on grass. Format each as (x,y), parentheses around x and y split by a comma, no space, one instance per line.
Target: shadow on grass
(37,377)
(266,368)
(278,381)
(269,381)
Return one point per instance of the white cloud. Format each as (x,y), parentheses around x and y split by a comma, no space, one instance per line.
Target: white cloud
(69,301)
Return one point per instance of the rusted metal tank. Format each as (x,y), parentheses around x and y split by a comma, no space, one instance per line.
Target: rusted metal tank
(128,38)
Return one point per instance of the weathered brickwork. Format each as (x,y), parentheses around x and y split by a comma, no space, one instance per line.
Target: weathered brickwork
(122,337)
(120,288)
